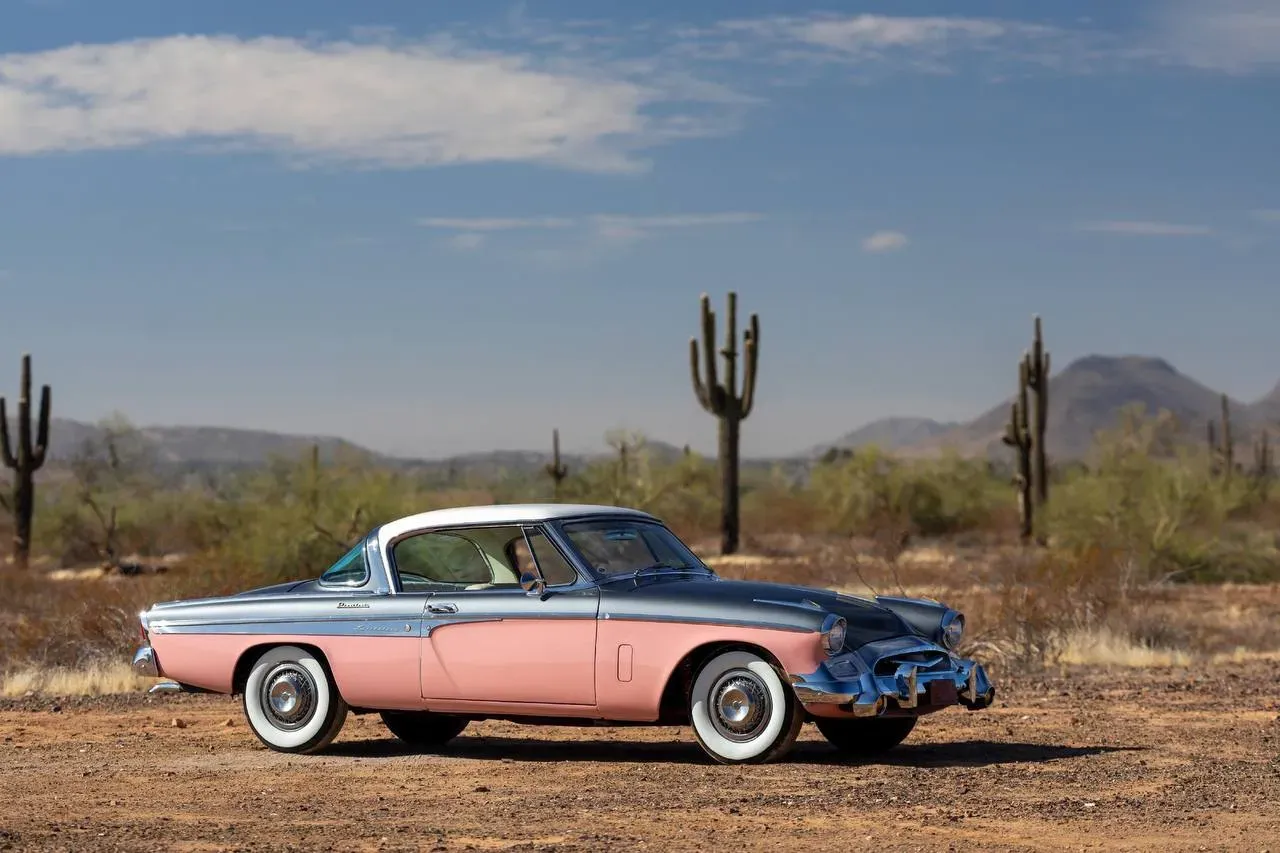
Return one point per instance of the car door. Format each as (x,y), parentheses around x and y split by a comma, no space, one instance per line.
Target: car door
(484,638)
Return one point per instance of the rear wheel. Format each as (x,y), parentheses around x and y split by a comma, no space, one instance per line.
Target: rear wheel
(866,737)
(423,729)
(291,702)
(741,711)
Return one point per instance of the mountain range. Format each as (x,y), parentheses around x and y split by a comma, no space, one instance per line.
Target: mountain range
(1084,397)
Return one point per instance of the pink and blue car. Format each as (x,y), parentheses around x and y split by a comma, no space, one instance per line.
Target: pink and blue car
(563,615)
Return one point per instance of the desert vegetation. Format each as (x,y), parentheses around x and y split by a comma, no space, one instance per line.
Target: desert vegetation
(1157,546)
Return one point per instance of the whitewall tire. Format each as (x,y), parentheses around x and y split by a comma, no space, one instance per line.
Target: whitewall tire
(291,702)
(741,711)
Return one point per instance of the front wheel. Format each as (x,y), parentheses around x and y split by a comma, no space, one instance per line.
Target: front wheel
(741,711)
(291,702)
(423,729)
(866,737)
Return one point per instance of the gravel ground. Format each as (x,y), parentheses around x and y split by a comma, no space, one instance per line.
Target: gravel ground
(1133,760)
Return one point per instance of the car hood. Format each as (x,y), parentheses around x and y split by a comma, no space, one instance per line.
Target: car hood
(749,602)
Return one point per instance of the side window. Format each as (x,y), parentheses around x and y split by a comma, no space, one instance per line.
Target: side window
(349,570)
(555,568)
(447,560)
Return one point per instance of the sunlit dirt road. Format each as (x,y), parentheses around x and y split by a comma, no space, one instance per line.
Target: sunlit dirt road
(1168,760)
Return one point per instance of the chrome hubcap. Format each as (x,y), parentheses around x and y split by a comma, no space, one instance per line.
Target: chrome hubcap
(288,697)
(741,703)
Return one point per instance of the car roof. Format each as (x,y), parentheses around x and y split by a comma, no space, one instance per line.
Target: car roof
(501,514)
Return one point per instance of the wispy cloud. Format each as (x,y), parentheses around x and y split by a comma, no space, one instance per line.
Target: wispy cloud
(1267,215)
(610,227)
(494,223)
(1233,36)
(371,103)
(885,241)
(467,241)
(1139,228)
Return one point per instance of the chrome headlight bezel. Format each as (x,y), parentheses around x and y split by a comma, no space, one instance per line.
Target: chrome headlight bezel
(951,631)
(834,629)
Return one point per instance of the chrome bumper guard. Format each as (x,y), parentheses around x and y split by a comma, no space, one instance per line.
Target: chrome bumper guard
(849,681)
(144,663)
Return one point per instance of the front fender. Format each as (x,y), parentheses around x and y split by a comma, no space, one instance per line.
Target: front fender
(635,659)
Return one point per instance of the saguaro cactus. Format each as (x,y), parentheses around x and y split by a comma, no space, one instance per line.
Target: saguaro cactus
(1017,434)
(1038,381)
(725,402)
(556,470)
(1223,454)
(1027,431)
(26,461)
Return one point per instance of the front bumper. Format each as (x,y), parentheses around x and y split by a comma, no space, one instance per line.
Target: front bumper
(899,675)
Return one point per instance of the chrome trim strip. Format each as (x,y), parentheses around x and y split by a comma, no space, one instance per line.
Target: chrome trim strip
(704,620)
(144,662)
(355,627)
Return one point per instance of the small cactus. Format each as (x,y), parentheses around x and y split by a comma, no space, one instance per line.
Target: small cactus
(555,469)
(1222,452)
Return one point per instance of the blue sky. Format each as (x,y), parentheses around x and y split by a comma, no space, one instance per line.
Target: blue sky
(435,228)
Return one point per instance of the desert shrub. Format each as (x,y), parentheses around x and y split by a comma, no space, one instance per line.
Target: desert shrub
(870,490)
(1157,502)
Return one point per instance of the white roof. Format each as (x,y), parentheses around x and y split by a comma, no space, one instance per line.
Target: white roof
(496,514)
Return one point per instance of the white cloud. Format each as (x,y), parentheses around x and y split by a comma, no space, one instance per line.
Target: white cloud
(386,104)
(494,223)
(610,227)
(1267,215)
(1234,36)
(1138,228)
(885,241)
(467,241)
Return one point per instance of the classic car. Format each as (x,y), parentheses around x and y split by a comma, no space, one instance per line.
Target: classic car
(562,615)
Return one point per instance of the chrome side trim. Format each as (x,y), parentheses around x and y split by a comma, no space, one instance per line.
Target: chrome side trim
(144,662)
(388,627)
(705,620)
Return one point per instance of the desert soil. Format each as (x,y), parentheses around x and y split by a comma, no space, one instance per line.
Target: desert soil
(1165,760)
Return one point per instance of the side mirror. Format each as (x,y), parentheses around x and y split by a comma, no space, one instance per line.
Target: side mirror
(532,584)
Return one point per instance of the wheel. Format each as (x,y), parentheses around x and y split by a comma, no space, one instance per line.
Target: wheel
(741,711)
(291,702)
(866,737)
(423,729)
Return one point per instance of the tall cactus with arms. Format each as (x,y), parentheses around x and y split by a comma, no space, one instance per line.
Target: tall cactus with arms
(725,402)
(26,461)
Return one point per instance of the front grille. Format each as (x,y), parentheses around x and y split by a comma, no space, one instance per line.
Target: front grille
(924,661)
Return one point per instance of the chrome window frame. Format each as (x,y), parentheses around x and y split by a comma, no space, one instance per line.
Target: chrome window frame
(365,577)
(545,529)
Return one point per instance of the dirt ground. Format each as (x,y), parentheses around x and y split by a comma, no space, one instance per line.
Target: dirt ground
(1133,760)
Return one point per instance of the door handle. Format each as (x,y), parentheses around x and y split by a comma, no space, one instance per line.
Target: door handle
(442,608)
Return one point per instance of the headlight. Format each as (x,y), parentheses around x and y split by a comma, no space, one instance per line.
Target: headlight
(833,629)
(952,629)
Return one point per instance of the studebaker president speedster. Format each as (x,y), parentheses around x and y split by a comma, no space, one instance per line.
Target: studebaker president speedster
(564,615)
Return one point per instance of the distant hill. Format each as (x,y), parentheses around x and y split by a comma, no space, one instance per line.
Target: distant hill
(198,445)
(1088,396)
(1085,397)
(888,434)
(1267,410)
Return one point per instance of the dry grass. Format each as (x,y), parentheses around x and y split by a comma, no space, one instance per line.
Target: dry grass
(1107,648)
(98,679)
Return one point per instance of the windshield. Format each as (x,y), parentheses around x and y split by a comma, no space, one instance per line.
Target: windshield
(626,546)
